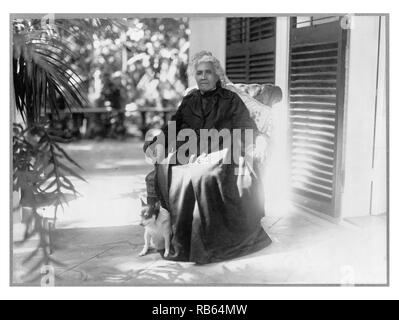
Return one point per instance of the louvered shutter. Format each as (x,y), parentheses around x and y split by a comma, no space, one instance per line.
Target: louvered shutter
(316,96)
(250,52)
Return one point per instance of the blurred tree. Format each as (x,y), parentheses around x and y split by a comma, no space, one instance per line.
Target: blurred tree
(146,59)
(148,62)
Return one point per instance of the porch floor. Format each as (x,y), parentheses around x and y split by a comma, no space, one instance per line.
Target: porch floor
(98,238)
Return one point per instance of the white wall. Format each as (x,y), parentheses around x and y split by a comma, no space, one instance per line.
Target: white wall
(359,117)
(208,33)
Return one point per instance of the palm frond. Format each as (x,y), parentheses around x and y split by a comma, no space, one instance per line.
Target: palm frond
(42,173)
(43,76)
(45,79)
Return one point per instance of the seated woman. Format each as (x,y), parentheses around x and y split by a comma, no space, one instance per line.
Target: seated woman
(216,205)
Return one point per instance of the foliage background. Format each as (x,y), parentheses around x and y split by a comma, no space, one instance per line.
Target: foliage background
(63,64)
(116,63)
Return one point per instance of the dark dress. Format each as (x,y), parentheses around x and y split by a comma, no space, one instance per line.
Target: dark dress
(215,214)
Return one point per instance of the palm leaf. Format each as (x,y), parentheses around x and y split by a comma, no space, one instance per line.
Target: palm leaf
(42,74)
(41,71)
(70,171)
(59,74)
(67,156)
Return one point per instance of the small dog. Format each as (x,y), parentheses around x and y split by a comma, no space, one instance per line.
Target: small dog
(158,231)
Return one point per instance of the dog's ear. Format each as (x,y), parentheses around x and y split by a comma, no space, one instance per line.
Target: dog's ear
(143,204)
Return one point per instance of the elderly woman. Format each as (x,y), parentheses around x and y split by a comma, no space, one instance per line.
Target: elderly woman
(216,205)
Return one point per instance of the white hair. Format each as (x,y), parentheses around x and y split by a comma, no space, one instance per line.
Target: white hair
(206,56)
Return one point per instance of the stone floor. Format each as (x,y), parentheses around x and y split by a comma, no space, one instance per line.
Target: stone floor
(98,238)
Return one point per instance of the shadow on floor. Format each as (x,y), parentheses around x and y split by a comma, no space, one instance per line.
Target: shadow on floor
(303,252)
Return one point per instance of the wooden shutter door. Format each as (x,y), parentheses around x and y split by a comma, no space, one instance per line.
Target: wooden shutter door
(316,98)
(250,52)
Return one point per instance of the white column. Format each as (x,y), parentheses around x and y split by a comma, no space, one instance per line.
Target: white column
(379,195)
(208,33)
(359,115)
(277,173)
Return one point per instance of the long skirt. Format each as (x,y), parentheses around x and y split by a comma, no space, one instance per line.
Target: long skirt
(216,211)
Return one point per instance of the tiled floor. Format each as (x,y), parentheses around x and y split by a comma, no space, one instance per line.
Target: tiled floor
(98,239)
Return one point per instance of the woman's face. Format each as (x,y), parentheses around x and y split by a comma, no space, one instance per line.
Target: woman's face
(206,77)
